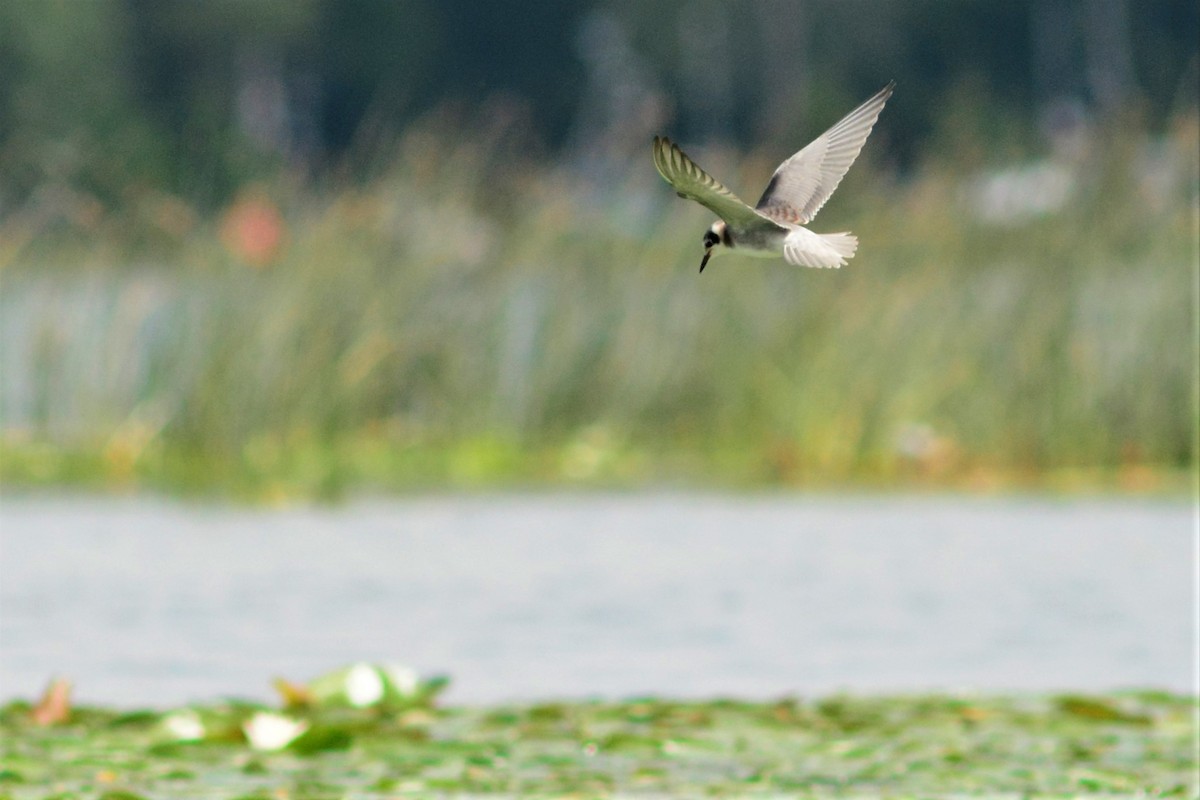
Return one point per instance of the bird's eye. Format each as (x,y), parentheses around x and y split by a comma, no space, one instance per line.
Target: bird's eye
(710,239)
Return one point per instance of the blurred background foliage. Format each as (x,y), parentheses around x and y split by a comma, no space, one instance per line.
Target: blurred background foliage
(298,247)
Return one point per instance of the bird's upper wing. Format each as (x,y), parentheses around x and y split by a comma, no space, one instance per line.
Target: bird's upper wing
(805,181)
(695,184)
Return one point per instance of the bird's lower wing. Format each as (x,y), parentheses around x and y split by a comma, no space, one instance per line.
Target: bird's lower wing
(690,181)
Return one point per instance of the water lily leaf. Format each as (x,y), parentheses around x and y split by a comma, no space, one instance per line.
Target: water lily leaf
(431,687)
(135,719)
(1099,710)
(179,774)
(255,767)
(322,739)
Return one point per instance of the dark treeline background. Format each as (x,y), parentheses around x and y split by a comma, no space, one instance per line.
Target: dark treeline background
(191,97)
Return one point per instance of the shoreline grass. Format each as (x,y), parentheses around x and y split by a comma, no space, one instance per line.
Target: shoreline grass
(334,473)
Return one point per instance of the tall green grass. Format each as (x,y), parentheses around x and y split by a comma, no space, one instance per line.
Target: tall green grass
(469,317)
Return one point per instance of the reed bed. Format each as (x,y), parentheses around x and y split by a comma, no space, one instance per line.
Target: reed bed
(469,317)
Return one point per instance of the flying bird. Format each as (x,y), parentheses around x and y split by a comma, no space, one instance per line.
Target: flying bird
(798,189)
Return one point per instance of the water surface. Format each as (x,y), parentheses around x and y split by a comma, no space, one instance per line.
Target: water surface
(534,596)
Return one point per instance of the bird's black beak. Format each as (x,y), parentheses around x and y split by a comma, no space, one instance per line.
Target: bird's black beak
(707,256)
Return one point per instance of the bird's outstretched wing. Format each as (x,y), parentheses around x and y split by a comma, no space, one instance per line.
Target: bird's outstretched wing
(695,184)
(805,181)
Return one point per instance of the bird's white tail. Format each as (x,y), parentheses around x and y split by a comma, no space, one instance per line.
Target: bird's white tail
(844,244)
(804,248)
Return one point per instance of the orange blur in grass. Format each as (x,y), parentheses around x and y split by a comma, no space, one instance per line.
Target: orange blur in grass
(253,230)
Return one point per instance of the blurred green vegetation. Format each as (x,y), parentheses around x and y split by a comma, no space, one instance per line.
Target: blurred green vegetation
(1121,745)
(479,294)
(467,318)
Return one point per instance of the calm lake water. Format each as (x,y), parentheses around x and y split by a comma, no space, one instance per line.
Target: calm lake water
(144,601)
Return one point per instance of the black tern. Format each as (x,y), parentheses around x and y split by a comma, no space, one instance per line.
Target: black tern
(796,192)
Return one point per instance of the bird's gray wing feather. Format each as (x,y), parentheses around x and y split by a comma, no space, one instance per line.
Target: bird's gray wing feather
(805,181)
(695,184)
